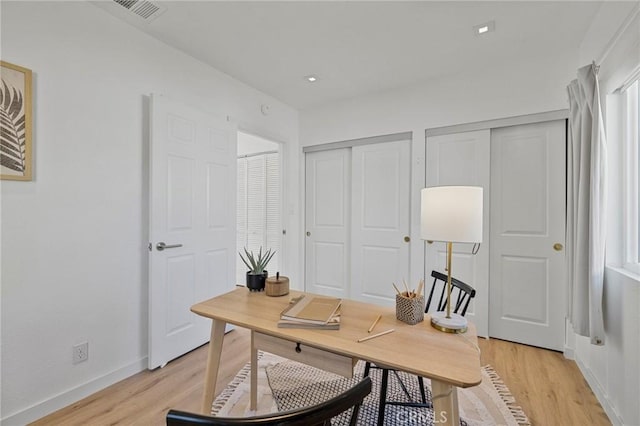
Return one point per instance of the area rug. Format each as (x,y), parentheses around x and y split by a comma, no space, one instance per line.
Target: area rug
(285,385)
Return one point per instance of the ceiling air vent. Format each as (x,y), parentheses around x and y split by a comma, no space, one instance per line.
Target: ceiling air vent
(142,8)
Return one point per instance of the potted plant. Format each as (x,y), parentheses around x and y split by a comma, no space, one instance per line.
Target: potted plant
(257,274)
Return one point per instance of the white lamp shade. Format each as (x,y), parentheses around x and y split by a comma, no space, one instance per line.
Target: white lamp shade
(452,214)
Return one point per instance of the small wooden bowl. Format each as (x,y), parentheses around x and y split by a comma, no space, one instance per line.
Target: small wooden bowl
(277,286)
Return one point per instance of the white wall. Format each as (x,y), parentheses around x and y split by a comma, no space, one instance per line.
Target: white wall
(74,260)
(250,144)
(505,90)
(612,370)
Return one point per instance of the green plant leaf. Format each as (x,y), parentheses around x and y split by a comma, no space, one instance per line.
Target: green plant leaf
(257,264)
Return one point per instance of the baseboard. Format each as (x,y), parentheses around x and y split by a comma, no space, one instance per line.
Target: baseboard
(569,353)
(599,393)
(71,396)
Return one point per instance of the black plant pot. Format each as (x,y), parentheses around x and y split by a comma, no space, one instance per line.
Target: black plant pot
(255,282)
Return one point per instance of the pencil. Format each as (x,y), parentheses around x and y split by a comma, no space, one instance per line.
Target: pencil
(394,286)
(375,335)
(374,323)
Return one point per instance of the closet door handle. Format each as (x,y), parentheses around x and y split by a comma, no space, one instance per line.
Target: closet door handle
(407,239)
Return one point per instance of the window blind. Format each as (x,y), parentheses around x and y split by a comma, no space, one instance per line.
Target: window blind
(258,210)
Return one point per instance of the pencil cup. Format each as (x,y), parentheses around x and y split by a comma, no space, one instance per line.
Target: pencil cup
(410,310)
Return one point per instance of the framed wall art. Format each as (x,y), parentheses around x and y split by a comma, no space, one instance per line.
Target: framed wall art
(15,122)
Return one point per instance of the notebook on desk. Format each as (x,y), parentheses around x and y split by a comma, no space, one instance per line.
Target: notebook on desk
(332,324)
(309,309)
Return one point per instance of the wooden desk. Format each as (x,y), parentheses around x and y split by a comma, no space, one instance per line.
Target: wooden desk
(449,360)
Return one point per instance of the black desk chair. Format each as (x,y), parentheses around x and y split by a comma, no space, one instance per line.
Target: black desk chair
(318,415)
(462,294)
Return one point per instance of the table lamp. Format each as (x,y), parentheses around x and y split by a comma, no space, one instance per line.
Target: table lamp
(452,214)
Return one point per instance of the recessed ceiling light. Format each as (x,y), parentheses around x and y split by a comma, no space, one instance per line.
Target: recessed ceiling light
(311,78)
(487,27)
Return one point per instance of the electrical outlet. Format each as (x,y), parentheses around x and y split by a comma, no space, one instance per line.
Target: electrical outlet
(80,352)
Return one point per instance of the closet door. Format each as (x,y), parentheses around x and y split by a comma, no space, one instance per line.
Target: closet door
(328,214)
(463,159)
(258,209)
(380,220)
(527,234)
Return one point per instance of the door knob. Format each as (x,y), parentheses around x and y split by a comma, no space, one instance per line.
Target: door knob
(161,246)
(557,247)
(407,239)
(308,234)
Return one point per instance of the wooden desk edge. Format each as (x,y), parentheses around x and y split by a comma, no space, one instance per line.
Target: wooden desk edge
(460,384)
(204,310)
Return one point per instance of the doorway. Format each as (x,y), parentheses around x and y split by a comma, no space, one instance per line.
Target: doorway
(259,200)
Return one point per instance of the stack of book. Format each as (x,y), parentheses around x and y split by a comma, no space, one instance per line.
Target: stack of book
(314,312)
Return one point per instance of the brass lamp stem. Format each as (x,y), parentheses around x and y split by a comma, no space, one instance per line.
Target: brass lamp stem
(449,252)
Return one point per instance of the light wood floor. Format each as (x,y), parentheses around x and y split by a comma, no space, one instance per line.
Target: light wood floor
(549,388)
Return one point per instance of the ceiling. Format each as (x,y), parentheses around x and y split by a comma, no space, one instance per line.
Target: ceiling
(356,48)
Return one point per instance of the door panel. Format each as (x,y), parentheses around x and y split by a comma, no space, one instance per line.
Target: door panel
(181,288)
(527,278)
(192,169)
(380,204)
(527,274)
(180,179)
(327,248)
(217,180)
(463,159)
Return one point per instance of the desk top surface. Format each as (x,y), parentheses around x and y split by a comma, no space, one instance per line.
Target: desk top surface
(418,349)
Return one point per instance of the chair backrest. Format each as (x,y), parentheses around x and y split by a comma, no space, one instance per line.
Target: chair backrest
(461,292)
(316,415)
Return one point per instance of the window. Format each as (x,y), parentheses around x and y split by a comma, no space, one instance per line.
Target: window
(631,165)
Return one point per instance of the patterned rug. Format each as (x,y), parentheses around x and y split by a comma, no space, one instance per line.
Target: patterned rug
(285,385)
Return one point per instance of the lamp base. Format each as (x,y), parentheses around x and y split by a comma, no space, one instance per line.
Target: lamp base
(455,324)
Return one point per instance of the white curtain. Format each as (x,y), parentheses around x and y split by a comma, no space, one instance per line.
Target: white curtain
(586,158)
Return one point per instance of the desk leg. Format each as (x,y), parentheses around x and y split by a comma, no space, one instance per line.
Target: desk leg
(213,363)
(254,374)
(445,403)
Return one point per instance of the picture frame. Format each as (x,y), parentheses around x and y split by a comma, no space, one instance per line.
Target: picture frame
(15,122)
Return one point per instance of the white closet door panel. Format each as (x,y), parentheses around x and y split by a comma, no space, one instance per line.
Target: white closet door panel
(328,212)
(528,195)
(241,218)
(256,203)
(259,204)
(380,203)
(462,159)
(273,226)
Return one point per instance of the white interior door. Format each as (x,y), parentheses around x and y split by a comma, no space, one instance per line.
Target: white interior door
(463,159)
(192,210)
(381,174)
(327,221)
(528,218)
